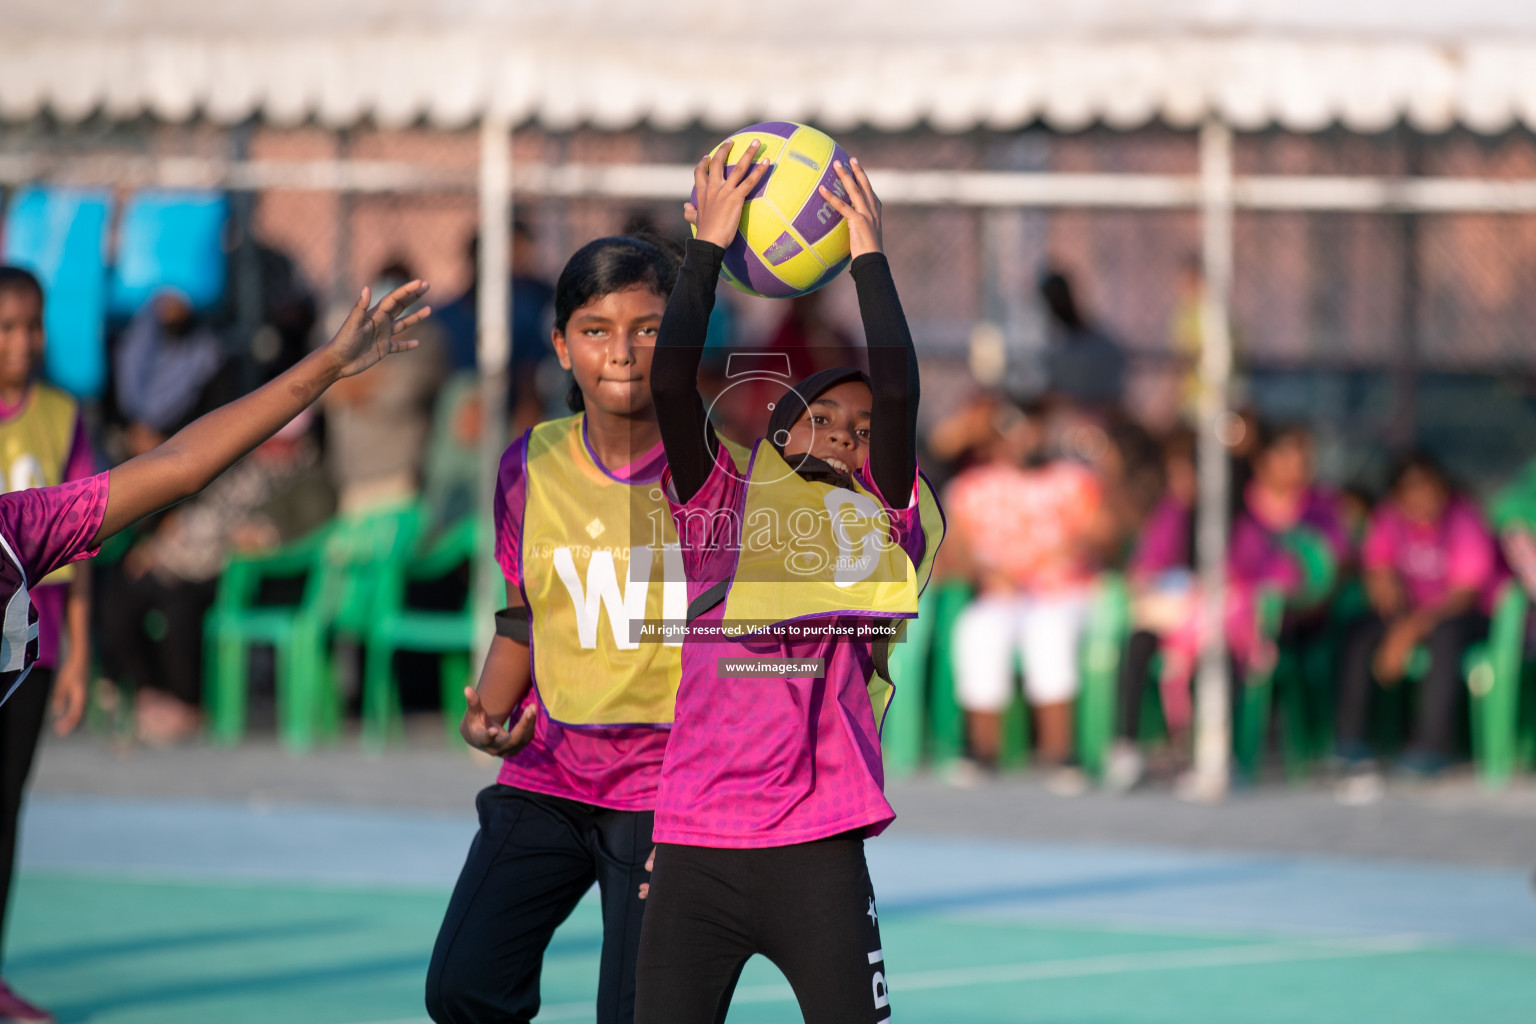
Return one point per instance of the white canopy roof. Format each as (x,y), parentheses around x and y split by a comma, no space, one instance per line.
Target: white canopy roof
(954,64)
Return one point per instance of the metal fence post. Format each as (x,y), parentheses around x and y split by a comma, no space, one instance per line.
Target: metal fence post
(493,346)
(1213,723)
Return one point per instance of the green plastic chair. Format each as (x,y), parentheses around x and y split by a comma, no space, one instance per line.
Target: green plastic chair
(901,739)
(1104,646)
(236,622)
(946,722)
(1094,724)
(1503,697)
(1287,678)
(1109,628)
(396,626)
(1502,688)
(340,564)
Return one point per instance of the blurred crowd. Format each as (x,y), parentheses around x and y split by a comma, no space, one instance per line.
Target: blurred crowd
(1062,510)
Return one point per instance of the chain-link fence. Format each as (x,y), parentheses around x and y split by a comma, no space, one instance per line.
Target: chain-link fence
(1384,328)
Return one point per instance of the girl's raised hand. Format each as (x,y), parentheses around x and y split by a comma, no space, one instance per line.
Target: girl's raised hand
(859,206)
(719,196)
(368,335)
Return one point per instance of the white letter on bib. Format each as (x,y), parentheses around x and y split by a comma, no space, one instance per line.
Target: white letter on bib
(602,591)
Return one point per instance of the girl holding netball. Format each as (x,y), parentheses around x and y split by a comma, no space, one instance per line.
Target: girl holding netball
(772,780)
(590,703)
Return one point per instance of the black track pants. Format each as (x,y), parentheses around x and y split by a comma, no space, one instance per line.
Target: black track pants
(532,861)
(21,723)
(808,908)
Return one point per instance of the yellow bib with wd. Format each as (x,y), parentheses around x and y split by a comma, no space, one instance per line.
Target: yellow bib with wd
(34,448)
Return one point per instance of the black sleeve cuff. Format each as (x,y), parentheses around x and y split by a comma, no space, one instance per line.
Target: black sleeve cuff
(703,255)
(870,261)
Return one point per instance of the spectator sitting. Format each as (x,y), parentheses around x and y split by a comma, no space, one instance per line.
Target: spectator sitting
(166,367)
(1281,513)
(377,422)
(272,496)
(1028,526)
(1430,574)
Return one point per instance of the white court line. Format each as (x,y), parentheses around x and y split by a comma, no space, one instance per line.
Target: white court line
(1045,970)
(556,1011)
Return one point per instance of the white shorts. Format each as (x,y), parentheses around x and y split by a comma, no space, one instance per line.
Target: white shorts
(1045,630)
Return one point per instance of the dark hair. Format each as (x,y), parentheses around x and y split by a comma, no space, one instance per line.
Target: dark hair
(395,268)
(605,266)
(1056,290)
(1271,435)
(19,279)
(1419,461)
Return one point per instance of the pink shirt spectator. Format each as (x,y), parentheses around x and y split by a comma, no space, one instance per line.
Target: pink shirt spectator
(613,768)
(41,530)
(1255,556)
(1456,553)
(769,762)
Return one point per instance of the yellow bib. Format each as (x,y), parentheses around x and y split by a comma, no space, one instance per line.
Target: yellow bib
(812,550)
(34,448)
(599,557)
(881,686)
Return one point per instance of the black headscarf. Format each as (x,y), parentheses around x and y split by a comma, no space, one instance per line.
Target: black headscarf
(788,409)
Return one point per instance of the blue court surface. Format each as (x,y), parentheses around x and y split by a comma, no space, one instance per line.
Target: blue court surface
(161,912)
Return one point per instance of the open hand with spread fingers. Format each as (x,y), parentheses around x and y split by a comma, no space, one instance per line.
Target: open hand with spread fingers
(368,335)
(860,207)
(720,195)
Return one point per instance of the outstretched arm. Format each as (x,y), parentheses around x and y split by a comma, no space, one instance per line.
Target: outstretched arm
(190,459)
(685,430)
(892,357)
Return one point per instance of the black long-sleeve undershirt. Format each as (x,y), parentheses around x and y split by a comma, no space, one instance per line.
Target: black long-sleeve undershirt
(685,430)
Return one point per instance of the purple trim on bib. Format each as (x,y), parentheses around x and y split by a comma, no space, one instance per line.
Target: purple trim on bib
(650,455)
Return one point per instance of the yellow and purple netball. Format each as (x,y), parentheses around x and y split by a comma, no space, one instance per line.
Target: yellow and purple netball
(790,241)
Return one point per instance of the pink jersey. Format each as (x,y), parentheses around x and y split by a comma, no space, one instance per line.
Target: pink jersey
(617,768)
(41,529)
(770,762)
(1431,560)
(52,598)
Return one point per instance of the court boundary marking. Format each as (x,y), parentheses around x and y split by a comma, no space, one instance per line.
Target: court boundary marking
(1077,967)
